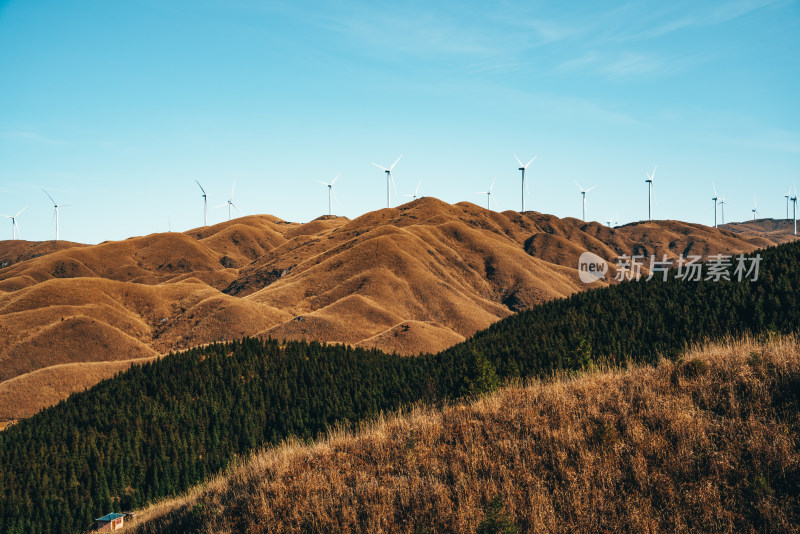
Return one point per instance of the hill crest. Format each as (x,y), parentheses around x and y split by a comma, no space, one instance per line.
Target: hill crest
(416,278)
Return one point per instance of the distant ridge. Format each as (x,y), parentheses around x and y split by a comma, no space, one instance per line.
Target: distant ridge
(416,278)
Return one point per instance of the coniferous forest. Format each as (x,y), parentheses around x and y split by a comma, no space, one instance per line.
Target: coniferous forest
(161,427)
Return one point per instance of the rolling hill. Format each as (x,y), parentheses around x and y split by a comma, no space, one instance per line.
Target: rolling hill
(417,278)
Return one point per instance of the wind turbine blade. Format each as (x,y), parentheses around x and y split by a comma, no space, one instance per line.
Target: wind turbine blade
(232,188)
(323,183)
(417,189)
(531,161)
(337,177)
(492,186)
(593,187)
(236,207)
(220,206)
(496,203)
(6,216)
(48,196)
(715,189)
(653,176)
(395,162)
(380,166)
(518,160)
(391,176)
(335,198)
(20,211)
(579,187)
(201,187)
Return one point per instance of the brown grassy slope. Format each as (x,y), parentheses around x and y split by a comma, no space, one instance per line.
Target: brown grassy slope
(20,250)
(708,445)
(456,267)
(211,254)
(420,277)
(772,230)
(46,387)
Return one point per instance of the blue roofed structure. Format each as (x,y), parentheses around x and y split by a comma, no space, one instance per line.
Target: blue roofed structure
(112,521)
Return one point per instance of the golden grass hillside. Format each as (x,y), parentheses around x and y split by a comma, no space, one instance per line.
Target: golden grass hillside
(775,230)
(417,278)
(709,444)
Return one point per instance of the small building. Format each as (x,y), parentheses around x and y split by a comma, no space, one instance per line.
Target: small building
(112,521)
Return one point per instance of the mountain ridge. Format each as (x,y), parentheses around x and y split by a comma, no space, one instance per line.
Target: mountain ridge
(416,278)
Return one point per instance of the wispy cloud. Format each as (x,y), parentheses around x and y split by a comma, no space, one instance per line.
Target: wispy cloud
(739,8)
(673,18)
(29,135)
(582,62)
(621,64)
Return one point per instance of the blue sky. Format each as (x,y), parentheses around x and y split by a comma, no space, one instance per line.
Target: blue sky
(117,107)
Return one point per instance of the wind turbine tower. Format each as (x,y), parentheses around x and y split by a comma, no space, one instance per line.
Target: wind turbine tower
(794,209)
(755,208)
(416,192)
(56,205)
(788,195)
(489,195)
(649,181)
(330,191)
(714,198)
(583,194)
(14,225)
(230,203)
(722,207)
(522,168)
(389,180)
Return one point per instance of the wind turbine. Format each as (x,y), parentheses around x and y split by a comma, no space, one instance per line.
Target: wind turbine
(794,209)
(56,205)
(714,198)
(14,225)
(755,208)
(489,195)
(787,195)
(389,180)
(330,191)
(523,168)
(649,181)
(722,203)
(583,194)
(416,192)
(205,204)
(230,202)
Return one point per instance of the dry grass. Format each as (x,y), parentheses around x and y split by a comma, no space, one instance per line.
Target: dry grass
(707,444)
(416,278)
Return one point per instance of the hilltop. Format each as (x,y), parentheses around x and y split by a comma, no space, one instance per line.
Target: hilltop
(417,278)
(707,443)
